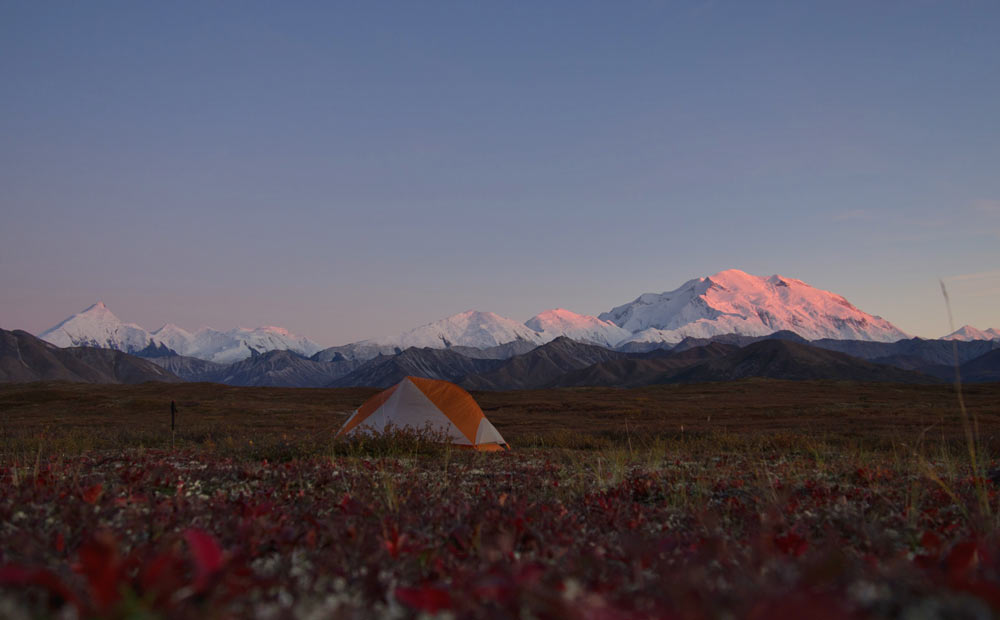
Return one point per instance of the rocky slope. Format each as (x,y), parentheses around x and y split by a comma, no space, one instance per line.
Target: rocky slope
(24,358)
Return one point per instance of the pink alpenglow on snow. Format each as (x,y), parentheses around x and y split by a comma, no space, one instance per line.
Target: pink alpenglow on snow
(734,302)
(561,322)
(729,302)
(968,332)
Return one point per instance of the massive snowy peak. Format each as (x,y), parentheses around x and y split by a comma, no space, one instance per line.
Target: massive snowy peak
(97,327)
(734,302)
(481,330)
(552,324)
(968,332)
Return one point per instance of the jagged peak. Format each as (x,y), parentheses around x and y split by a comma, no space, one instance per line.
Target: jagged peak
(169,327)
(98,308)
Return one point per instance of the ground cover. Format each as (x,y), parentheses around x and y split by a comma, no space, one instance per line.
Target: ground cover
(257,513)
(540,533)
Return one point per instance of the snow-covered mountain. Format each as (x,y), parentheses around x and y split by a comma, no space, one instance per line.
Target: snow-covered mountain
(557,322)
(468,329)
(968,332)
(174,337)
(479,330)
(99,327)
(232,345)
(734,302)
(729,302)
(485,330)
(271,337)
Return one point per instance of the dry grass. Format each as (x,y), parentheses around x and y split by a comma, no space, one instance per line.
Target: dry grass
(754,415)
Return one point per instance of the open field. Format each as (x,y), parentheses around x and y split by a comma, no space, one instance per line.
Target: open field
(65,417)
(797,500)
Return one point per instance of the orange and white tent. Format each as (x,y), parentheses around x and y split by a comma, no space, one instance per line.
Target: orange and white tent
(438,406)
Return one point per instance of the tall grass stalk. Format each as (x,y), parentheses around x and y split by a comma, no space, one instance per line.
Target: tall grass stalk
(970,424)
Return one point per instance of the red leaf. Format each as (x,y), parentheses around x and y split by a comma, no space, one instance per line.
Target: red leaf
(425,598)
(160,577)
(101,566)
(207,555)
(60,542)
(156,570)
(394,542)
(930,541)
(962,559)
(792,544)
(92,494)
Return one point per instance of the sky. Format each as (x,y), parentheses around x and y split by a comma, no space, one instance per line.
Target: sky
(352,170)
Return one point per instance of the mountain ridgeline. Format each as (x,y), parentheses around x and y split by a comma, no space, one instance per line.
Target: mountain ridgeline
(559,363)
(728,303)
(25,358)
(705,330)
(567,363)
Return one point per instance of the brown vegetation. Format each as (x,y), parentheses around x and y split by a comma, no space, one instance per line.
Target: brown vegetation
(67,417)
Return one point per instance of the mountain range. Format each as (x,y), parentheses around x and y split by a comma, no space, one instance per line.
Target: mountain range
(98,327)
(633,343)
(968,332)
(559,363)
(728,302)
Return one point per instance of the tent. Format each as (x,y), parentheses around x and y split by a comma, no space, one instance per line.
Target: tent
(436,405)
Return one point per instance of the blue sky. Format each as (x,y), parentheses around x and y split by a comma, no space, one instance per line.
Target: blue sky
(353,170)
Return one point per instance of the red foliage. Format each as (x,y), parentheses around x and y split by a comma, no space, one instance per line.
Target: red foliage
(207,557)
(194,536)
(791,544)
(425,598)
(103,569)
(92,494)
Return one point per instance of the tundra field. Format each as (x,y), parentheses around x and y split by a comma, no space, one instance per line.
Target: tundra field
(754,499)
